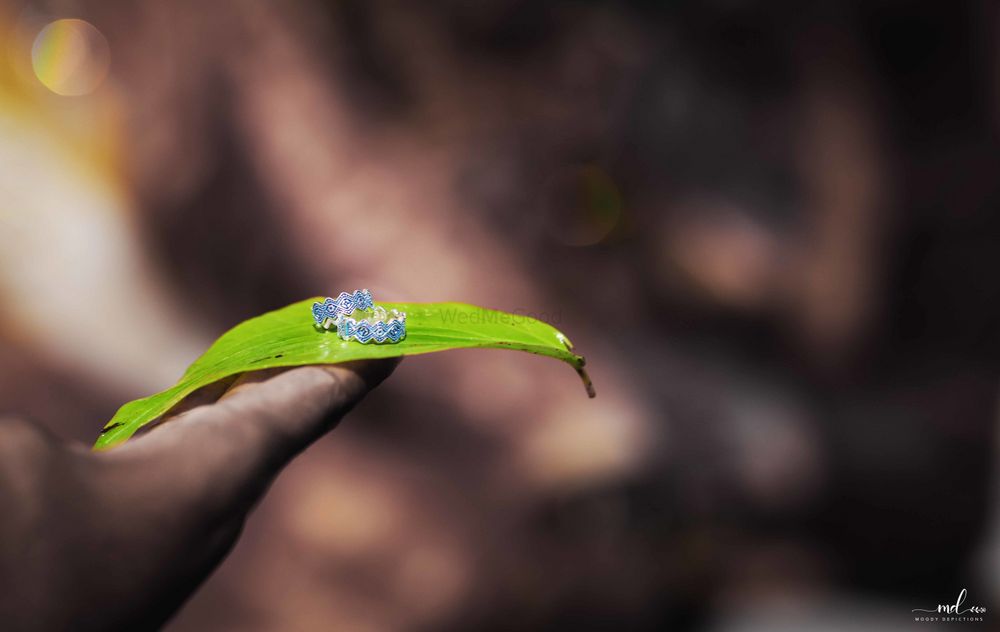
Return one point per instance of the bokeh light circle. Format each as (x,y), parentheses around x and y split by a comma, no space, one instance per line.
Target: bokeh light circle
(70,57)
(583,205)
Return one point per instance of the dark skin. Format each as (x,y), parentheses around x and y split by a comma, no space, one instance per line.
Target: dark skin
(119,539)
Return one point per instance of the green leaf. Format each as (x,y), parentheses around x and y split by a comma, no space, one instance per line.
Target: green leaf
(287,337)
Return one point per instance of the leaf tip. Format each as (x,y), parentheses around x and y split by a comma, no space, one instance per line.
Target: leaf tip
(587,383)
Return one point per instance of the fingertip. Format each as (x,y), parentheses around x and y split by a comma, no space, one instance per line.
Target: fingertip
(304,401)
(371,372)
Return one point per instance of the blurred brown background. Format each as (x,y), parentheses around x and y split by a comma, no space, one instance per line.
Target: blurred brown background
(772,230)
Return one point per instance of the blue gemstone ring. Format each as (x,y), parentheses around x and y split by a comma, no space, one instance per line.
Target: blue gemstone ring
(382,327)
(330,311)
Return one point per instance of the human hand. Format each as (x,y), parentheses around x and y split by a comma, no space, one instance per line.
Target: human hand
(119,539)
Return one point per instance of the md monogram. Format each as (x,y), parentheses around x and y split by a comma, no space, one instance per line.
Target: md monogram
(955,612)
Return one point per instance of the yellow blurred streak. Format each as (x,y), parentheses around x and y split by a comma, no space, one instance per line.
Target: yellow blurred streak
(66,235)
(88,129)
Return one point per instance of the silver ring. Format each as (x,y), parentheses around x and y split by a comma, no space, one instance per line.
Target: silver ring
(331,310)
(380,328)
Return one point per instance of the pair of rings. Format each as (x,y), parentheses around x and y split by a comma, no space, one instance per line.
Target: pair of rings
(381,326)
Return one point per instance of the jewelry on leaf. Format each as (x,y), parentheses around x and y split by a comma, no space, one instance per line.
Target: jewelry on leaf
(330,311)
(381,327)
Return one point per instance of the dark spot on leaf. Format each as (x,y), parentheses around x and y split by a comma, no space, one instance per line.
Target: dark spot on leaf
(280,355)
(112,426)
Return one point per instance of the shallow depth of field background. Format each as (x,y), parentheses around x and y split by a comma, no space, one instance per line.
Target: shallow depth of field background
(772,230)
